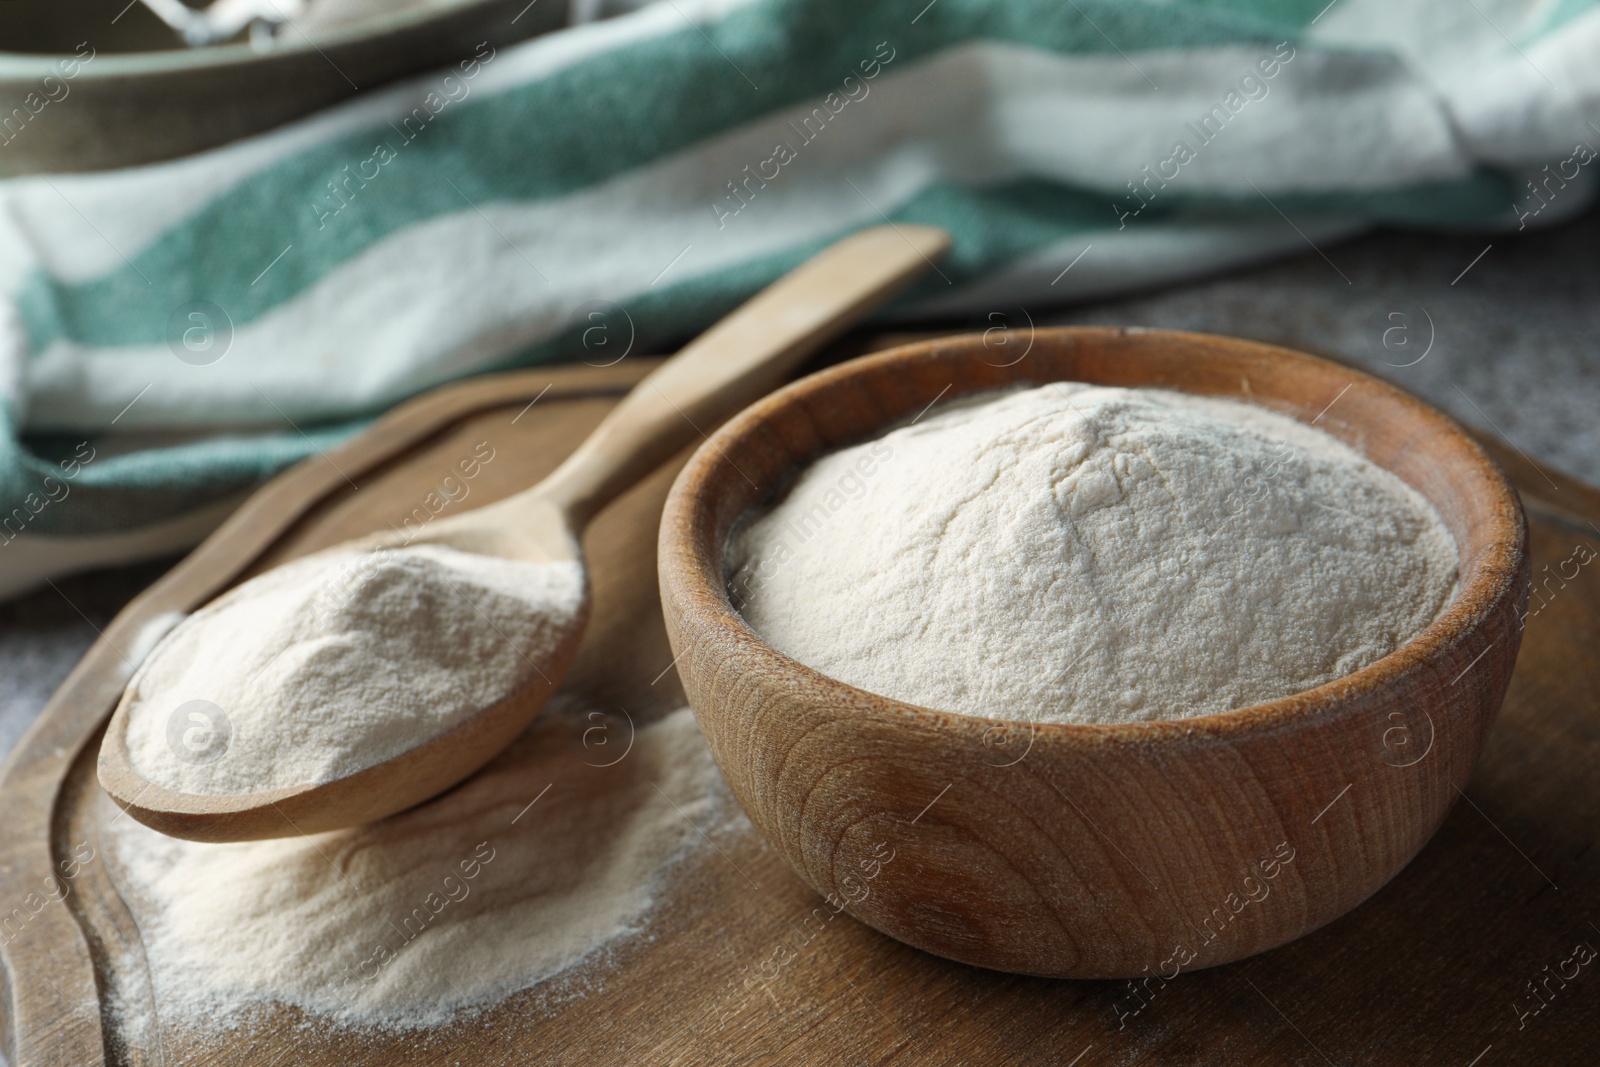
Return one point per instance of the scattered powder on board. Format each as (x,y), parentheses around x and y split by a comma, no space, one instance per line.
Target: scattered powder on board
(450,906)
(335,662)
(1077,553)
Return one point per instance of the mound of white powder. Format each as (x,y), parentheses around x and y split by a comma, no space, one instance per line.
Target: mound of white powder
(453,905)
(1076,553)
(330,664)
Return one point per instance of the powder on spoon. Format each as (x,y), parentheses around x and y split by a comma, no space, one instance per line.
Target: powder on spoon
(1079,553)
(452,905)
(332,663)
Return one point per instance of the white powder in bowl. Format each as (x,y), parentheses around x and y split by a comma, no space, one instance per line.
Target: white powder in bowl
(452,905)
(332,663)
(1078,553)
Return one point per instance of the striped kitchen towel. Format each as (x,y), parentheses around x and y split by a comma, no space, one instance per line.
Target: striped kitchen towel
(172,334)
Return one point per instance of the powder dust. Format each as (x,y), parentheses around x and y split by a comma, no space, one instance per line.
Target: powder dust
(450,906)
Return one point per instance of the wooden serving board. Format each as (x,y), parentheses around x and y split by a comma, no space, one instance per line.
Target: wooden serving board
(1433,970)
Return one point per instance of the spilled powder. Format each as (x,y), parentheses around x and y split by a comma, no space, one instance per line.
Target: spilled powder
(334,662)
(1077,553)
(451,906)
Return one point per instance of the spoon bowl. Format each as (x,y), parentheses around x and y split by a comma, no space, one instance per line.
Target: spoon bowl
(378,791)
(1096,850)
(738,360)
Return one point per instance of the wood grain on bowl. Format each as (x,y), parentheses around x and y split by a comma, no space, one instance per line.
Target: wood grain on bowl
(1097,851)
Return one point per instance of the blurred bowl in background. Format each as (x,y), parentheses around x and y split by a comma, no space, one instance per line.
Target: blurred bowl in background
(95,84)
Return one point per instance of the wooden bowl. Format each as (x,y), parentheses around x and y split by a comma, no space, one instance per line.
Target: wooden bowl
(1096,851)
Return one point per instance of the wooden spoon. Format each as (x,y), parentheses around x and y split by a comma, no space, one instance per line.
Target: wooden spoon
(744,356)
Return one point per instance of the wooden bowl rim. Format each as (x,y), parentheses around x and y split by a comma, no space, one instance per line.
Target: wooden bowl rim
(703,595)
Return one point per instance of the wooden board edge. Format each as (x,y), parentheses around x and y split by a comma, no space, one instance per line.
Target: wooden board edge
(269,518)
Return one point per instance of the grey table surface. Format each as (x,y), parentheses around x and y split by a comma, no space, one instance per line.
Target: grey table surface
(1498,330)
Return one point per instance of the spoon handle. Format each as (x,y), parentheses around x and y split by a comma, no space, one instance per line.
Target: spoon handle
(739,360)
